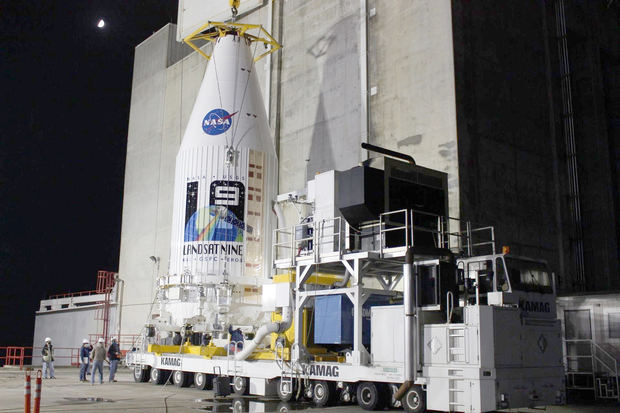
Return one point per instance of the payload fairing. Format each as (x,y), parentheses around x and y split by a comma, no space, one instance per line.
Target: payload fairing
(225,181)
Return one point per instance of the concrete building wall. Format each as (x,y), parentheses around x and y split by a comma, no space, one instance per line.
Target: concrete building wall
(594,58)
(506,156)
(67,328)
(411,84)
(320,101)
(147,203)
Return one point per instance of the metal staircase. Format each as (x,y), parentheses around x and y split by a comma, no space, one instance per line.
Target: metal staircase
(592,368)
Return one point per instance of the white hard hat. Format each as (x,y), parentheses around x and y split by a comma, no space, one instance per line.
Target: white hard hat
(113,339)
(84,341)
(48,339)
(100,340)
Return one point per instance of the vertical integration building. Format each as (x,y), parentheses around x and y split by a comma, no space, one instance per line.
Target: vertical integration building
(518,102)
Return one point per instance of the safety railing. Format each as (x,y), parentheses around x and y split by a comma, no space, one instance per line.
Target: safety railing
(62,355)
(309,239)
(74,294)
(585,357)
(283,248)
(125,341)
(23,356)
(105,283)
(396,231)
(15,356)
(385,228)
(327,238)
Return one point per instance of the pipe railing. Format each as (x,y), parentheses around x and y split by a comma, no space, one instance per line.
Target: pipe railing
(472,241)
(23,355)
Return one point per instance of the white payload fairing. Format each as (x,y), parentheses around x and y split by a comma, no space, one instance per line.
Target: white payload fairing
(225,181)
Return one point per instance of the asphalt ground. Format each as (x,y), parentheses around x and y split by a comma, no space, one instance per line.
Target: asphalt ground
(67,394)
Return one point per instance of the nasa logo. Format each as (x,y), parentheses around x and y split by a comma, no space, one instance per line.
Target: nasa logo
(217,121)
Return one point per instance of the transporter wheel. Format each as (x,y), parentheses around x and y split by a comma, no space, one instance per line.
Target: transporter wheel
(159,376)
(181,378)
(324,393)
(371,396)
(240,385)
(285,390)
(414,401)
(141,373)
(203,381)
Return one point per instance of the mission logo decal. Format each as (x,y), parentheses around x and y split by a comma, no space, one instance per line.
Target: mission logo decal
(217,121)
(221,220)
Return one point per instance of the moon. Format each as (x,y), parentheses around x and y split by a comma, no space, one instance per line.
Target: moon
(101,23)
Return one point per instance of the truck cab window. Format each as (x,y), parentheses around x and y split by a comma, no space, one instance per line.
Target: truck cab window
(528,276)
(503,283)
(484,271)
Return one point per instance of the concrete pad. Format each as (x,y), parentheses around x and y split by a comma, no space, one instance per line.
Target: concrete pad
(67,394)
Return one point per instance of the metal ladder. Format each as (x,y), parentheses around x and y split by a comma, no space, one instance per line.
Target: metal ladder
(456,344)
(236,369)
(286,378)
(455,392)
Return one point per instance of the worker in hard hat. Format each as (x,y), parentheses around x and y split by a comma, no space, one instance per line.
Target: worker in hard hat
(84,359)
(47,354)
(97,356)
(114,355)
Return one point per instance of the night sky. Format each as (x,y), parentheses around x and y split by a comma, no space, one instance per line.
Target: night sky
(66,90)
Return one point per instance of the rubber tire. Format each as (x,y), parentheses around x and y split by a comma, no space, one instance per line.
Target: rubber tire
(141,374)
(285,397)
(203,381)
(414,401)
(159,376)
(240,385)
(181,378)
(324,393)
(369,395)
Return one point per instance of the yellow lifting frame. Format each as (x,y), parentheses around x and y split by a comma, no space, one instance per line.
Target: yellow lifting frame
(240,29)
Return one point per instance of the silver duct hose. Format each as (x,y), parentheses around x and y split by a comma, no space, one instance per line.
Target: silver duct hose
(264,330)
(411,333)
(279,214)
(343,282)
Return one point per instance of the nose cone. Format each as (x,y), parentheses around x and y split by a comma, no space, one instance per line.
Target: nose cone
(229,110)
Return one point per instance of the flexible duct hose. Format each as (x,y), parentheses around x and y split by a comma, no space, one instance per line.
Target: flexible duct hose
(279,214)
(264,330)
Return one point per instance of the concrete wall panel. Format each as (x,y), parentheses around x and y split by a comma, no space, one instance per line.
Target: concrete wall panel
(67,329)
(412,109)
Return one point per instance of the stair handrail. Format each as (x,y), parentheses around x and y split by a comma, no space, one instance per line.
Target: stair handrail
(597,347)
(595,351)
